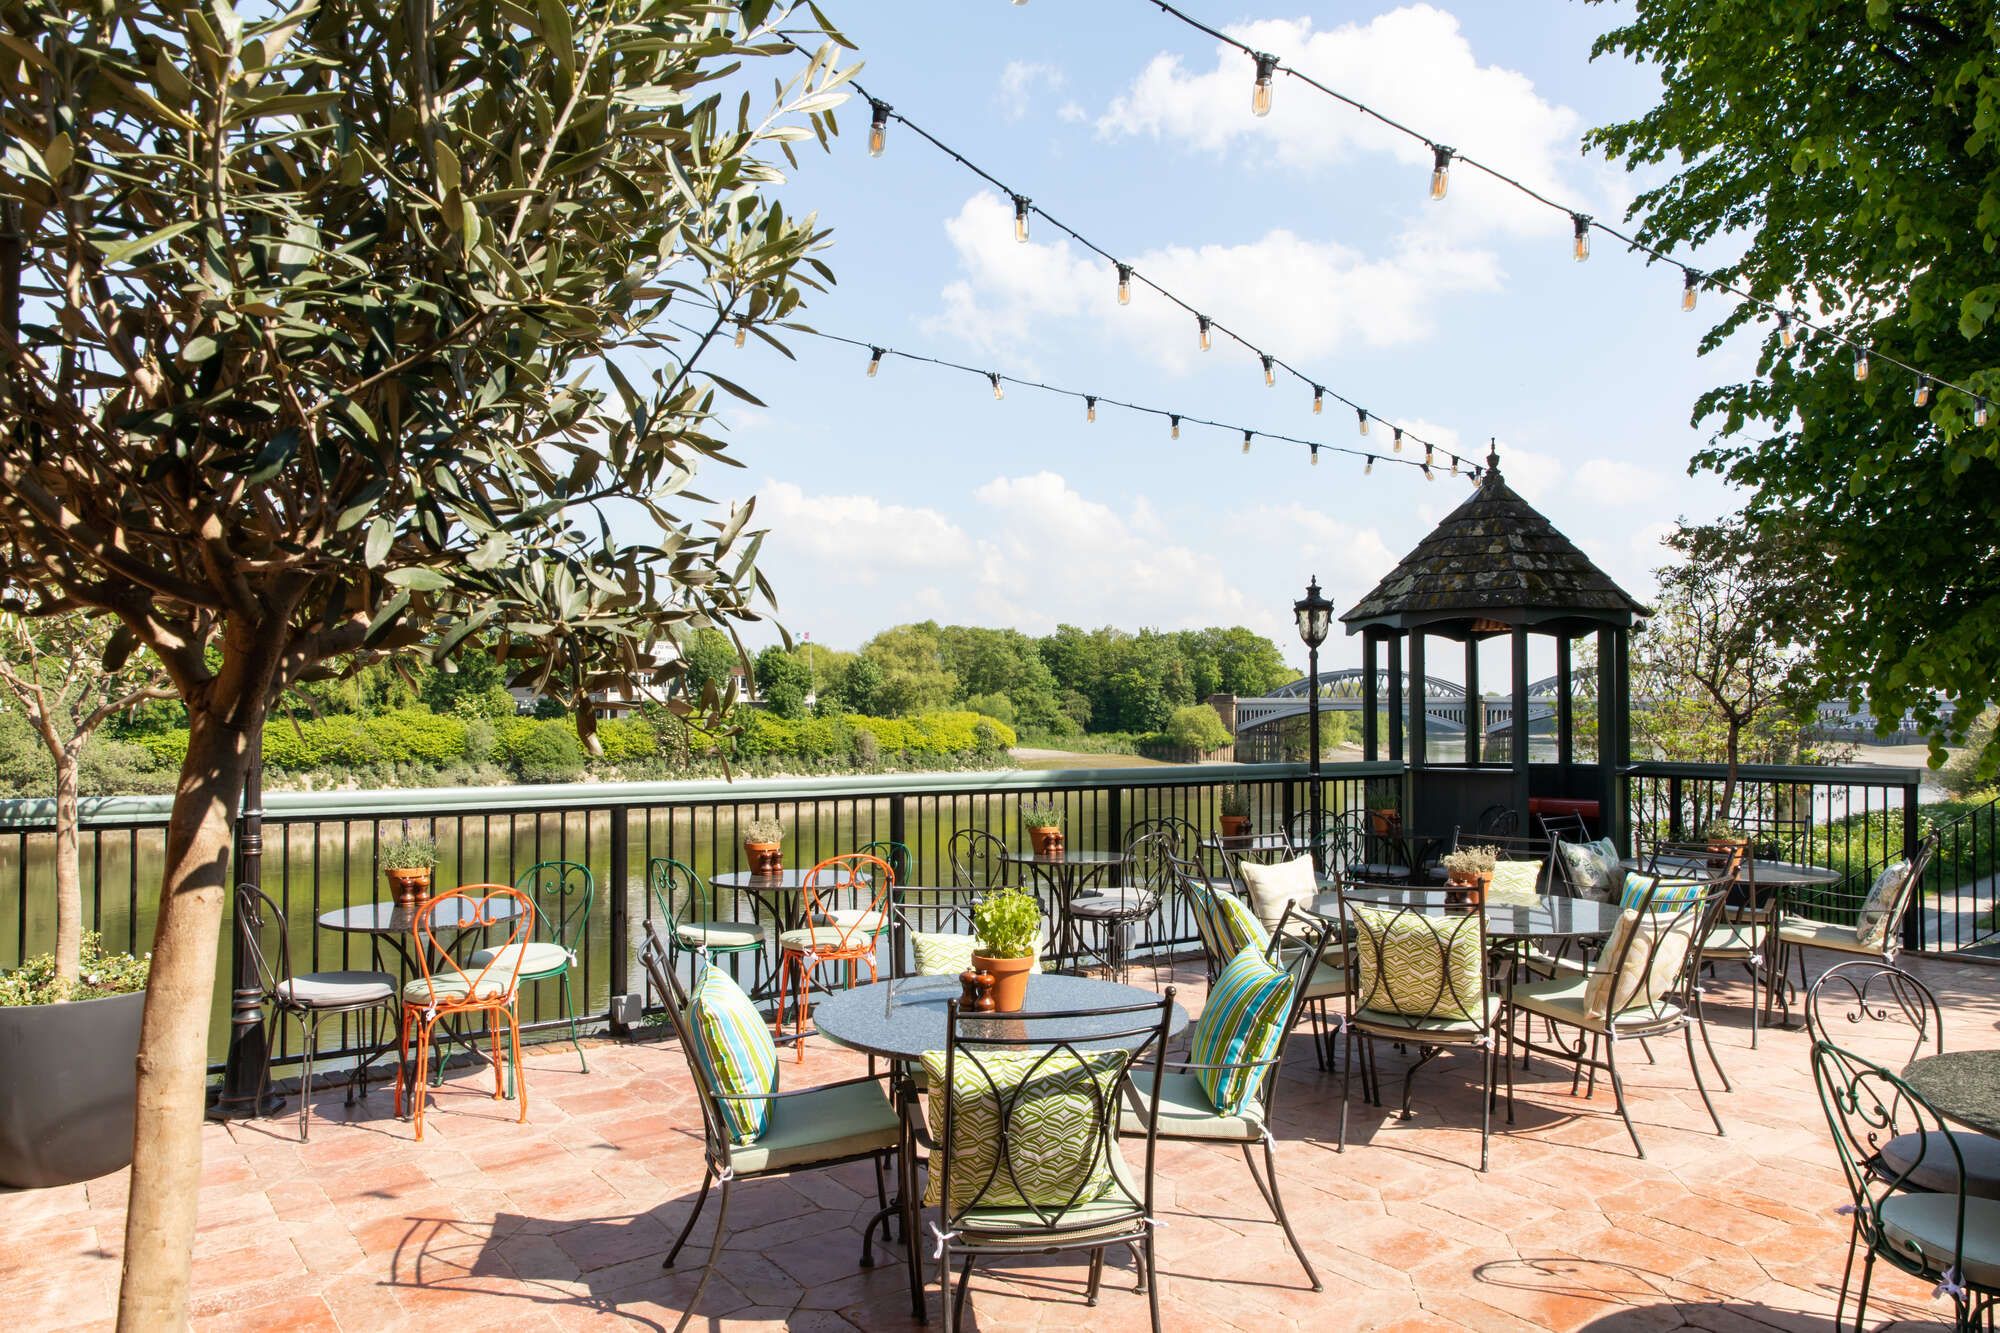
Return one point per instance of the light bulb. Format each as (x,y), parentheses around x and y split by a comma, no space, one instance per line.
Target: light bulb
(1428,474)
(1861,366)
(1089,408)
(1270,375)
(878,127)
(1201,326)
(1368,468)
(1454,465)
(1124,284)
(1440,170)
(874,361)
(1319,399)
(1246,435)
(998,392)
(1428,453)
(1361,415)
(1260,93)
(1979,411)
(1785,335)
(1922,397)
(1398,433)
(1021,218)
(1175,421)
(1315,450)
(1689,282)
(1581,250)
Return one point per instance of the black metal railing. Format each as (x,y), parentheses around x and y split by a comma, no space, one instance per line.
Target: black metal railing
(1959,902)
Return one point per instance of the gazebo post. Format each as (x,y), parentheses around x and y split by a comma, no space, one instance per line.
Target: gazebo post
(1565,719)
(1370,727)
(1608,704)
(1395,695)
(1418,751)
(1474,723)
(1520,728)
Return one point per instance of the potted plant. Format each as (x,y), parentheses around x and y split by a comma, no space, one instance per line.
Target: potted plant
(1044,822)
(1470,867)
(66,1053)
(1385,821)
(407,861)
(1007,922)
(1235,812)
(764,846)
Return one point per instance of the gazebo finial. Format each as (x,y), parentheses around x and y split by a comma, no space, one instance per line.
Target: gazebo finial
(1492,456)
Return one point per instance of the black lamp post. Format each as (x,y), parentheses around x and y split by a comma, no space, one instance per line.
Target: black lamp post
(1315,617)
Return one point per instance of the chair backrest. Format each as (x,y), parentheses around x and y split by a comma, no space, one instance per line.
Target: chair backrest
(658,962)
(1873,992)
(894,854)
(258,919)
(562,891)
(976,859)
(679,894)
(1497,821)
(1190,884)
(988,1163)
(846,882)
(1150,874)
(1715,862)
(473,907)
(1563,828)
(1899,905)
(1416,959)
(1653,959)
(1180,834)
(927,911)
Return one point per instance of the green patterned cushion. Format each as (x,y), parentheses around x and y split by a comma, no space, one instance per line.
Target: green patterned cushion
(942,954)
(1050,1101)
(1871,926)
(1418,965)
(1239,925)
(1243,1021)
(733,1043)
(1516,883)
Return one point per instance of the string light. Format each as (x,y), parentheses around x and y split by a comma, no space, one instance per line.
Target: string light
(1979,410)
(1260,93)
(998,392)
(1201,323)
(1922,397)
(1454,465)
(878,126)
(1315,455)
(1785,335)
(1021,218)
(1581,250)
(1427,458)
(1246,442)
(1368,468)
(1124,284)
(1361,415)
(1399,439)
(1440,170)
(1319,398)
(1270,375)
(1428,475)
(1090,407)
(1861,366)
(1175,420)
(1690,280)
(874,361)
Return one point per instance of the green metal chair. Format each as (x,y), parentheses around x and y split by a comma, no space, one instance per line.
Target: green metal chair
(562,892)
(693,924)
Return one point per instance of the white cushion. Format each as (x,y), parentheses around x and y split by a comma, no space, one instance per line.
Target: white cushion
(1273,887)
(535,958)
(452,988)
(1872,923)
(719,934)
(865,921)
(331,990)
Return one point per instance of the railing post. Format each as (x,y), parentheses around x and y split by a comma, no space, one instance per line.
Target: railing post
(618,877)
(1913,916)
(898,826)
(1115,811)
(1676,826)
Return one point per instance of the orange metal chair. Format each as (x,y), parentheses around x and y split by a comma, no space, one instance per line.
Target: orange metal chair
(451,990)
(833,933)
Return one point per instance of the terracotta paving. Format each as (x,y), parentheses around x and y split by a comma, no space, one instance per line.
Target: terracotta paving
(561,1223)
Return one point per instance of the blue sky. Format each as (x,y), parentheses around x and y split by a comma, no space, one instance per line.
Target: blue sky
(915,495)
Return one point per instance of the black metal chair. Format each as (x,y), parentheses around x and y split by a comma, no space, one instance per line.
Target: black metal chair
(976,858)
(1118,911)
(1797,932)
(990,1141)
(310,997)
(1945,1236)
(1497,821)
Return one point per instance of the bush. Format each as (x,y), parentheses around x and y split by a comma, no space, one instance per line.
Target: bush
(1197,727)
(104,973)
(548,753)
(626,739)
(406,735)
(996,706)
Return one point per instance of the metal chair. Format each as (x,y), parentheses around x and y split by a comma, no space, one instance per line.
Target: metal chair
(1181,833)
(1946,1236)
(694,921)
(562,893)
(309,997)
(894,854)
(977,860)
(1797,932)
(1497,821)
(989,1136)
(1119,911)
(810,1128)
(451,991)
(833,933)
(1738,932)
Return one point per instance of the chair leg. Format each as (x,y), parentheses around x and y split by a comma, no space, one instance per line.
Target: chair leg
(1694,1064)
(714,1253)
(1277,1203)
(421,1090)
(575,1040)
(707,1179)
(308,1029)
(1847,1272)
(1861,1299)
(1346,1091)
(1701,1021)
(520,1078)
(1486,1106)
(1618,1091)
(1096,1277)
(964,1289)
(493,1033)
(1152,1281)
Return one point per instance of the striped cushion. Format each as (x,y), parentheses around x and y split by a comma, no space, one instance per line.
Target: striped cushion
(1670,896)
(733,1044)
(1243,1021)
(1239,925)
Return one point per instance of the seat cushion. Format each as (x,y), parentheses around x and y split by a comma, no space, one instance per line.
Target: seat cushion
(1734,939)
(457,987)
(1516,883)
(1112,903)
(1434,1029)
(1649,949)
(822,1125)
(1328,980)
(1418,965)
(1565,997)
(533,959)
(1592,867)
(1272,888)
(1824,935)
(333,990)
(1925,1227)
(827,942)
(733,1046)
(943,954)
(1872,922)
(1116,1211)
(719,934)
(1242,1022)
(1046,1103)
(1924,1162)
(1185,1110)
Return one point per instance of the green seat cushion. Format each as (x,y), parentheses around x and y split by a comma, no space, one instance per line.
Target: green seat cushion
(1927,1162)
(944,954)
(822,1125)
(1925,1226)
(1185,1111)
(1242,1022)
(1047,1103)
(1734,939)
(733,1045)
(1328,980)
(1566,998)
(1516,883)
(862,920)
(456,987)
(720,934)
(1825,935)
(1118,1210)
(1431,1028)
(1417,964)
(535,958)
(313,990)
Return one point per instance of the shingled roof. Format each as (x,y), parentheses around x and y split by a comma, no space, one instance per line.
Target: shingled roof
(1494,557)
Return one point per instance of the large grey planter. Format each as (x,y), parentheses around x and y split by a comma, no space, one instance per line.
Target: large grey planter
(67,1089)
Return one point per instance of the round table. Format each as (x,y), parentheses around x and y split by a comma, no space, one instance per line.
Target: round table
(1962,1085)
(1551,918)
(1247,844)
(781,892)
(1066,876)
(900,1019)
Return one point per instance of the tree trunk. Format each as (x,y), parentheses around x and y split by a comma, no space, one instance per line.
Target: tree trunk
(173,1038)
(1733,745)
(69,876)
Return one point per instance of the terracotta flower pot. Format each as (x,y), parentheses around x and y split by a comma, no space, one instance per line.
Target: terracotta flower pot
(1047,839)
(764,858)
(1010,980)
(408,887)
(1385,822)
(1235,826)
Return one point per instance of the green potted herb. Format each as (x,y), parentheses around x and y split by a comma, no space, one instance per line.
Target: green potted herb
(407,862)
(1008,922)
(1235,812)
(1044,822)
(764,846)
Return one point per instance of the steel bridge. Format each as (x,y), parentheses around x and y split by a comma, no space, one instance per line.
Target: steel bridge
(1445,704)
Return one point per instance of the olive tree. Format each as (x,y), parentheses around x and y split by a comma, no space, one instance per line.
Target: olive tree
(361,327)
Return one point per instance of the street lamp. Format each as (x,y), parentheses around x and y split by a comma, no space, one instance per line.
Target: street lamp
(1315,616)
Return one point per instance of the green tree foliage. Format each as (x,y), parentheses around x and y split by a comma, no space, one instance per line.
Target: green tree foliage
(472,685)
(1197,727)
(1848,153)
(711,658)
(915,677)
(782,681)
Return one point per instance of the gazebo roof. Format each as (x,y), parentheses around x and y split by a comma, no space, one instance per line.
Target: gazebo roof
(1495,558)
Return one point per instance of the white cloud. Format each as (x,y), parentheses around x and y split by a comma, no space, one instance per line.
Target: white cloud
(1413,64)
(1610,481)
(1300,297)
(1019,82)
(858,539)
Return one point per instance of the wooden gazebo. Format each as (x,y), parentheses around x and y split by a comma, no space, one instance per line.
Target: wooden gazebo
(1495,566)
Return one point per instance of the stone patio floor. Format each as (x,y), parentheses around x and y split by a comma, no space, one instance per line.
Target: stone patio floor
(561,1223)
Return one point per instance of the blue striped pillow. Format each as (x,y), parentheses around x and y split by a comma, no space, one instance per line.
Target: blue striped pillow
(1670,896)
(1243,1021)
(733,1044)
(1239,924)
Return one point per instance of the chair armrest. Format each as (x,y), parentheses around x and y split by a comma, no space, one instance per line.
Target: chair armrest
(1188,1065)
(793,1092)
